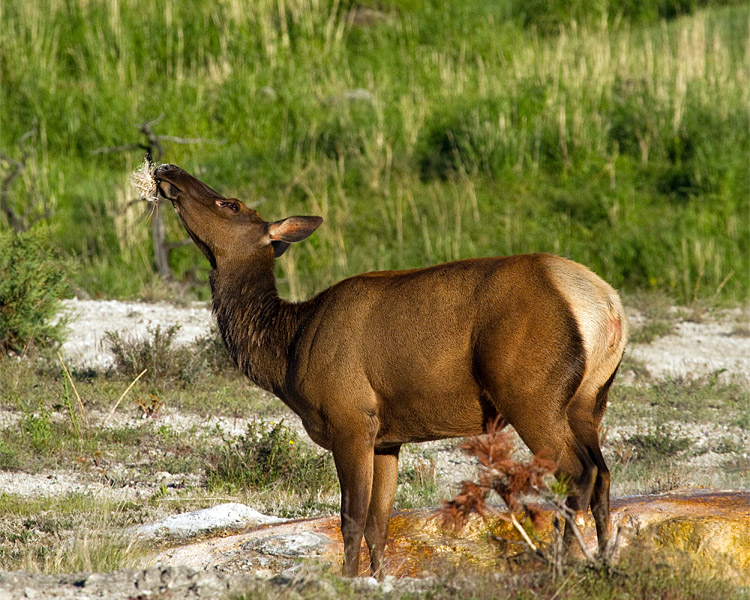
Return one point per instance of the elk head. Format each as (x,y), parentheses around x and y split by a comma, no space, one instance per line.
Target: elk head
(225,229)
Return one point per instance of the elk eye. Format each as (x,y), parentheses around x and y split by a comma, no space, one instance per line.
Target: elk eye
(230,205)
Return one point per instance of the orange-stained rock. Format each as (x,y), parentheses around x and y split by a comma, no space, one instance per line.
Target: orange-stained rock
(712,528)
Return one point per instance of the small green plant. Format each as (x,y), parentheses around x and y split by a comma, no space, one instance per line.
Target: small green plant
(33,280)
(157,353)
(211,353)
(650,331)
(167,362)
(8,456)
(657,445)
(417,484)
(269,455)
(728,445)
(38,430)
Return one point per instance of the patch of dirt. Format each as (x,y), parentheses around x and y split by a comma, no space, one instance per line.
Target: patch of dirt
(697,349)
(90,320)
(174,583)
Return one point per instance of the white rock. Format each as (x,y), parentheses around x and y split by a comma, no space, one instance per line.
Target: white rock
(224,516)
(289,545)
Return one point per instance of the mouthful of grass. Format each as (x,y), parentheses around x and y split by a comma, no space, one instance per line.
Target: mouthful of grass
(143,180)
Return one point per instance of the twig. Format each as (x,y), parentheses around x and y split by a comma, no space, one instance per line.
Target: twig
(78,397)
(19,222)
(609,554)
(123,148)
(566,582)
(569,516)
(525,535)
(153,146)
(179,140)
(111,412)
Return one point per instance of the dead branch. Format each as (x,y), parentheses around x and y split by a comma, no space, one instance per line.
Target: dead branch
(153,147)
(19,221)
(517,483)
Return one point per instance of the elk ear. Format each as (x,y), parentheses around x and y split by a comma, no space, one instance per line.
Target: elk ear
(289,230)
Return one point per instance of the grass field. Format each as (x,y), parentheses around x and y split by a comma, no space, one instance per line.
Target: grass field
(421,131)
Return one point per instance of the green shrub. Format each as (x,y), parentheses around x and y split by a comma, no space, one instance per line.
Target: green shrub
(165,361)
(38,431)
(157,353)
(33,279)
(467,139)
(657,445)
(548,16)
(270,455)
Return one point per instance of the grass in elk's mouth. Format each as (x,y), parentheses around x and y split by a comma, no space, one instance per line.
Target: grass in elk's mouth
(143,180)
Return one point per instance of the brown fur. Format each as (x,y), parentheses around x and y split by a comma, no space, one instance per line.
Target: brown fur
(382,359)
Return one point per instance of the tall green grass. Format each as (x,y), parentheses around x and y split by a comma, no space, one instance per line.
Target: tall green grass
(427,132)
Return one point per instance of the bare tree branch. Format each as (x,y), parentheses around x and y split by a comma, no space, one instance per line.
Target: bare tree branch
(178,140)
(19,222)
(117,149)
(153,146)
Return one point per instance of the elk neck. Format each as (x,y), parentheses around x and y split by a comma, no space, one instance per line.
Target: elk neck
(257,326)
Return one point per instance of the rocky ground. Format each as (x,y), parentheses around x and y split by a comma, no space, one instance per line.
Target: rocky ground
(718,344)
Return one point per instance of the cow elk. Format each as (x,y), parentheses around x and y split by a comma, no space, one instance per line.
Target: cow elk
(386,358)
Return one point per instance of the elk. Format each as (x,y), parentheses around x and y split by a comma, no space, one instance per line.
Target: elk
(386,358)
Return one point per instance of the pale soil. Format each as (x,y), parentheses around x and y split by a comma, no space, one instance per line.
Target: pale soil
(720,343)
(91,319)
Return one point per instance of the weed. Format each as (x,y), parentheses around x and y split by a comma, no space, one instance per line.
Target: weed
(650,331)
(149,406)
(157,353)
(9,459)
(67,534)
(729,445)
(164,361)
(657,445)
(269,455)
(38,430)
(681,400)
(33,280)
(417,484)
(520,484)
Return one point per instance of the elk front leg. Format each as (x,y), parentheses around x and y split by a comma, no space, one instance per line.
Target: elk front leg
(385,476)
(354,465)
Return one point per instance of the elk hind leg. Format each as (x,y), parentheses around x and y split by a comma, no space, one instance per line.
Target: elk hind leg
(584,415)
